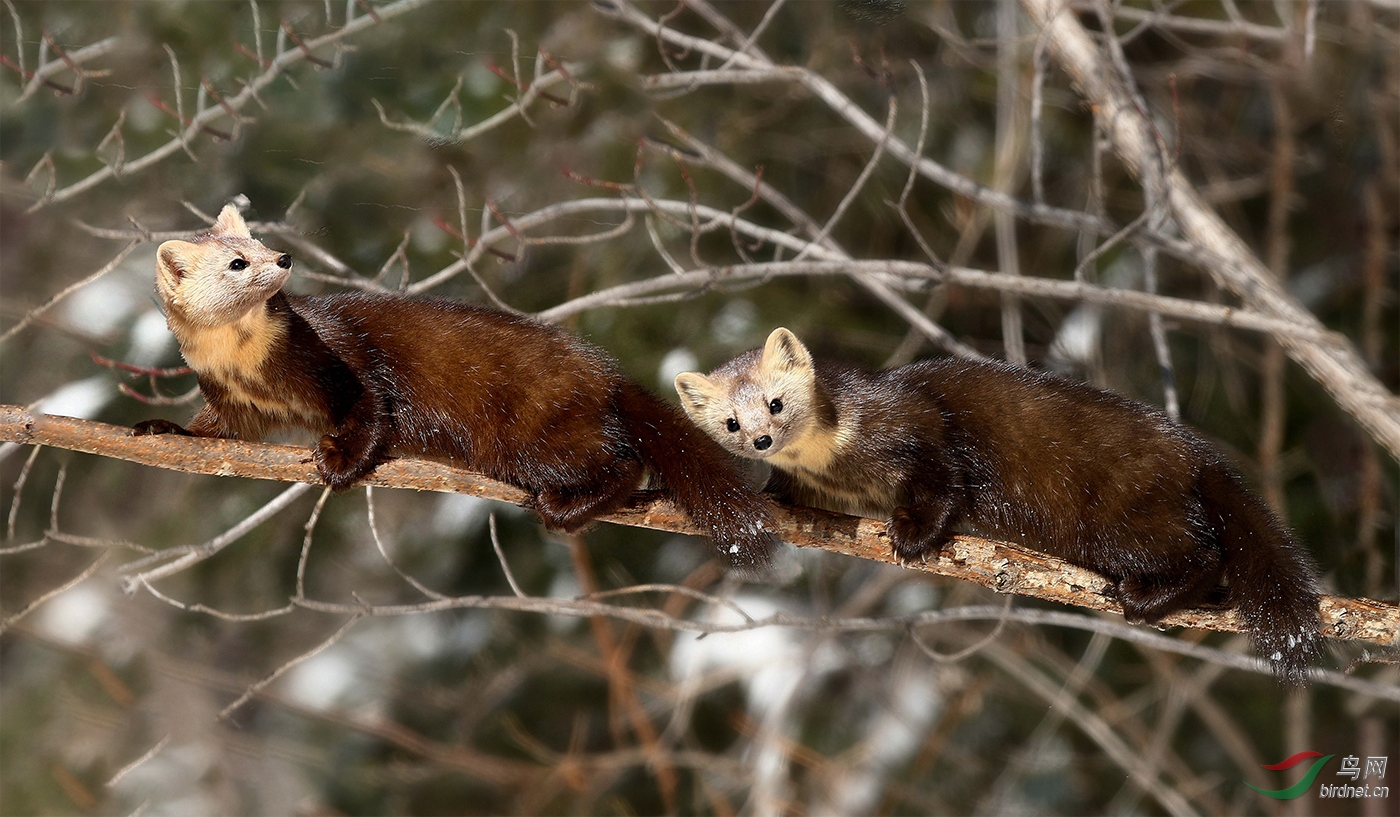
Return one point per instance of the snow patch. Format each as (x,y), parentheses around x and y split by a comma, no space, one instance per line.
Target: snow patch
(74,616)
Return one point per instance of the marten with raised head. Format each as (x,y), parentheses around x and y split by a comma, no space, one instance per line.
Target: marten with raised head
(506,396)
(1096,479)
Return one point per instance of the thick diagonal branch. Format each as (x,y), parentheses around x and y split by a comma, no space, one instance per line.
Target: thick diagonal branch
(1339,369)
(1000,566)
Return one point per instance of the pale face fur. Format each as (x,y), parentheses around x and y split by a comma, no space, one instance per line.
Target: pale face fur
(220,276)
(214,289)
(735,404)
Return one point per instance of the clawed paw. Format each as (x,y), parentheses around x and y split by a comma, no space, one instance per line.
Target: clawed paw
(1146,602)
(152,427)
(336,469)
(572,508)
(911,541)
(906,556)
(562,512)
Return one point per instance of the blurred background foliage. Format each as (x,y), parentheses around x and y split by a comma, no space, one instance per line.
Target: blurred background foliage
(499,712)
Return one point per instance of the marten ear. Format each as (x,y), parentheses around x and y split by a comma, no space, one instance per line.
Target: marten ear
(784,352)
(174,259)
(695,391)
(231,223)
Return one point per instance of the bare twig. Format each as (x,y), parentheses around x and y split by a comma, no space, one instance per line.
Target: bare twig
(35,313)
(14,618)
(501,555)
(280,671)
(201,120)
(194,554)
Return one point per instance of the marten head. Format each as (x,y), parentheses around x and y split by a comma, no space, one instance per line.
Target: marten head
(758,403)
(221,275)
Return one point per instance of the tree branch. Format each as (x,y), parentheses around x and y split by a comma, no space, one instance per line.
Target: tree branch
(1339,369)
(1000,566)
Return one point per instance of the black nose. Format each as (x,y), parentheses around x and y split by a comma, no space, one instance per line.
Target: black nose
(285,262)
(763,443)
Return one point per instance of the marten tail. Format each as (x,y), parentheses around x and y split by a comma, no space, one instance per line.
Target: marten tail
(702,479)
(1273,582)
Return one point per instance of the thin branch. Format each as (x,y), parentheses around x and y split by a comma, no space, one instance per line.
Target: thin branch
(501,555)
(128,768)
(280,671)
(194,554)
(926,275)
(309,528)
(859,183)
(1094,726)
(200,121)
(379,543)
(19,492)
(1193,25)
(844,107)
(63,588)
(461,135)
(71,61)
(33,314)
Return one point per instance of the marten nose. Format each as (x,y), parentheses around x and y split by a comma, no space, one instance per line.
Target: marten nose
(285,262)
(763,443)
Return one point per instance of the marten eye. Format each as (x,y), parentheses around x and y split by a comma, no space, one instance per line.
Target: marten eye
(733,424)
(284,261)
(237,264)
(775,405)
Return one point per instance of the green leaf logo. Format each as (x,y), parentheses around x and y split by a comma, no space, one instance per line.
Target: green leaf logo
(1302,785)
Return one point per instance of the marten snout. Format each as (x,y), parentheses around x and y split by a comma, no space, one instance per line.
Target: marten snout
(763,443)
(284,261)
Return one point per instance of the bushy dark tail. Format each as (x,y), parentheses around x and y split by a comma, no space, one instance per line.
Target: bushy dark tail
(1273,582)
(702,479)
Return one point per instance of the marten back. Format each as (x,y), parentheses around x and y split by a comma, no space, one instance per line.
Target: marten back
(519,400)
(1070,469)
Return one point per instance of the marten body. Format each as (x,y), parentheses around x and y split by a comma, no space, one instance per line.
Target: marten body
(1101,481)
(516,400)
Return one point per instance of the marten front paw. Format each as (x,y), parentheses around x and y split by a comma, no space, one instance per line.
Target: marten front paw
(148,427)
(913,540)
(339,470)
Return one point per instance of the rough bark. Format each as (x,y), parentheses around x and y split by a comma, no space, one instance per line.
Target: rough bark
(1000,566)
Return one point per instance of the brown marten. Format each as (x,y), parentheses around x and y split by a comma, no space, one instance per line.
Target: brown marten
(1101,481)
(516,400)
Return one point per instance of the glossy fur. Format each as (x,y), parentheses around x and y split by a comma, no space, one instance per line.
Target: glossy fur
(516,400)
(1101,481)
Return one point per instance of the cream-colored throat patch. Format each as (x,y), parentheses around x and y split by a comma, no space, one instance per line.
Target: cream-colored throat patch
(815,450)
(238,348)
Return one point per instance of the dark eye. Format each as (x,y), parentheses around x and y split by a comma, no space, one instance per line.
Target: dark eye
(775,405)
(284,261)
(733,424)
(237,264)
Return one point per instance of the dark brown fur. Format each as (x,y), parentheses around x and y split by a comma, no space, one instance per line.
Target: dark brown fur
(1101,481)
(516,400)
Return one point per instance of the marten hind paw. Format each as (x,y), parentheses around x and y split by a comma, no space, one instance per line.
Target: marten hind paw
(336,469)
(564,511)
(570,508)
(1146,602)
(152,427)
